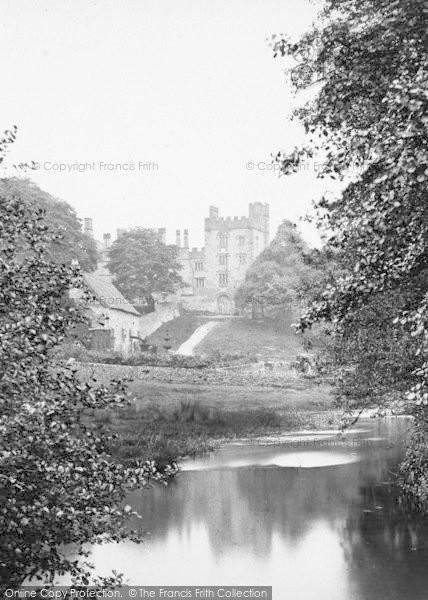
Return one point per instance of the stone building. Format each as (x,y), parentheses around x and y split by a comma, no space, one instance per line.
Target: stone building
(214,273)
(114,322)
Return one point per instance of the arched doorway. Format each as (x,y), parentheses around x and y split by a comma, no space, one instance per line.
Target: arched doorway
(224,305)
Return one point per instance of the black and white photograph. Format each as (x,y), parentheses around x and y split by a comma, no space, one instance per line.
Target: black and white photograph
(214,299)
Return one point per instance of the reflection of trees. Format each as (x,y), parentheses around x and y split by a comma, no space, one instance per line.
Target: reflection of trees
(247,506)
(387,550)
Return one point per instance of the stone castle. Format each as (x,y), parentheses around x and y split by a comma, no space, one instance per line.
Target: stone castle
(213,273)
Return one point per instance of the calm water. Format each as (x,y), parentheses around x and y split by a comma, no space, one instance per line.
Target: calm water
(314,518)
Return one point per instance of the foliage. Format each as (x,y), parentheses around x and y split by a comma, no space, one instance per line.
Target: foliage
(75,351)
(142,265)
(414,468)
(58,484)
(370,61)
(68,241)
(274,279)
(222,358)
(165,434)
(109,357)
(375,357)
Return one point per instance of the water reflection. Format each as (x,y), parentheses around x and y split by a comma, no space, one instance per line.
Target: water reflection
(280,458)
(332,532)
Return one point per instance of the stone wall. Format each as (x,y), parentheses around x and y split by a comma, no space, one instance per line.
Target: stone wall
(123,326)
(164,312)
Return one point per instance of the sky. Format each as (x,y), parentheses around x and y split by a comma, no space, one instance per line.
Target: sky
(182,97)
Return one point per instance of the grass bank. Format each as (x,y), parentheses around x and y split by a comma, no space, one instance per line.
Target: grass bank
(265,339)
(189,428)
(178,412)
(178,330)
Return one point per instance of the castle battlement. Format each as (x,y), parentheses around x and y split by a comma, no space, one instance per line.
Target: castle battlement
(225,223)
(196,253)
(258,218)
(213,274)
(191,254)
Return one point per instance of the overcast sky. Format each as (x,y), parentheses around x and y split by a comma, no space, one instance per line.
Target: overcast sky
(189,85)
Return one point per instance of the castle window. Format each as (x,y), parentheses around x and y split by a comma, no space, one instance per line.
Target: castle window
(223,279)
(242,259)
(200,282)
(223,241)
(241,240)
(222,259)
(199,266)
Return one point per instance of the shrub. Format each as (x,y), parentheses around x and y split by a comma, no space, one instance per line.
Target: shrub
(414,468)
(111,357)
(59,485)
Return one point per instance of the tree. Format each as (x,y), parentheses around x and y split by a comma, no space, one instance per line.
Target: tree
(370,61)
(68,240)
(143,266)
(274,279)
(58,483)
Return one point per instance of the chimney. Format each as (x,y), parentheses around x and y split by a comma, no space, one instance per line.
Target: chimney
(178,238)
(107,240)
(213,212)
(186,238)
(162,235)
(87,227)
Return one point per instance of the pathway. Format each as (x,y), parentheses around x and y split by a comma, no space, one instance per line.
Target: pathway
(197,336)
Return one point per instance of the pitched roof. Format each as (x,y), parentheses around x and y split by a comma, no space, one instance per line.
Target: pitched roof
(108,294)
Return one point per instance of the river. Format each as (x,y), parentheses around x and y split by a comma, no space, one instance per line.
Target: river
(314,516)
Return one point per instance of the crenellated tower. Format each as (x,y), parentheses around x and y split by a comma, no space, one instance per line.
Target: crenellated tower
(214,272)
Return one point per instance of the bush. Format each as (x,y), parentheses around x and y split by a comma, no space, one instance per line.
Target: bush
(414,469)
(167,434)
(59,483)
(191,412)
(227,358)
(179,361)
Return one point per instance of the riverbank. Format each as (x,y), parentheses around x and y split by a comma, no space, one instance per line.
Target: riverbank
(258,512)
(168,434)
(264,339)
(263,376)
(176,417)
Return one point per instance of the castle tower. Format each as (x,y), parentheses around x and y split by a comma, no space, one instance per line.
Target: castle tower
(88,227)
(259,216)
(162,235)
(231,245)
(213,212)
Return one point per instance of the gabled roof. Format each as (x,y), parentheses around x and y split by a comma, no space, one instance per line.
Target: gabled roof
(108,294)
